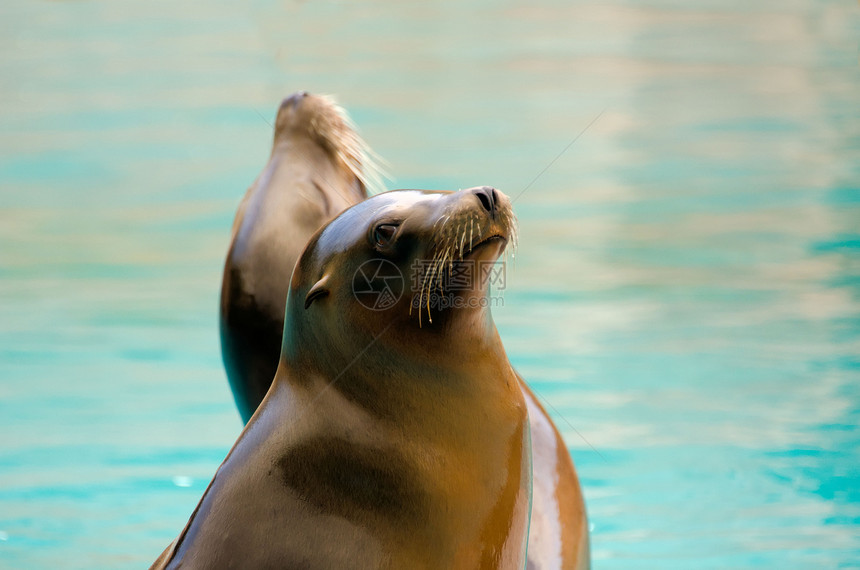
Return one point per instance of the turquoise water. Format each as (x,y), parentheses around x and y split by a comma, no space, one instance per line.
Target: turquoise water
(686,294)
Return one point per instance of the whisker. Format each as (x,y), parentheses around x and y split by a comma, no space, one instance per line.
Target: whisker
(470,233)
(422,293)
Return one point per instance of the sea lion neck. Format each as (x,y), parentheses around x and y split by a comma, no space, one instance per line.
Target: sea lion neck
(331,174)
(291,143)
(383,366)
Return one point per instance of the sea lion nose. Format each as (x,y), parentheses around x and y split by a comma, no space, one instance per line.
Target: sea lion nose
(294,99)
(487,197)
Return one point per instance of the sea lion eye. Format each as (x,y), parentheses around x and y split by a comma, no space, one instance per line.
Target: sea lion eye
(383,233)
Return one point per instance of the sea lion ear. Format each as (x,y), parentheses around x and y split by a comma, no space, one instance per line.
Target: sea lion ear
(318,291)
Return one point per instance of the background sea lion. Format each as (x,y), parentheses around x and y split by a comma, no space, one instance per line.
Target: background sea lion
(318,167)
(386,440)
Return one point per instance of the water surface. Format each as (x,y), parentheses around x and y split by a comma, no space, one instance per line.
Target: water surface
(686,294)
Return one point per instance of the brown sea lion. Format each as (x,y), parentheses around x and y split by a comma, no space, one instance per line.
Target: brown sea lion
(318,167)
(396,433)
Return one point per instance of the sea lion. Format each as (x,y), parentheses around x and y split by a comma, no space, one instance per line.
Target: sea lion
(317,168)
(397,434)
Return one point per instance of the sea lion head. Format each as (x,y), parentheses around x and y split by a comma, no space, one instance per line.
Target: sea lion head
(303,116)
(412,257)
